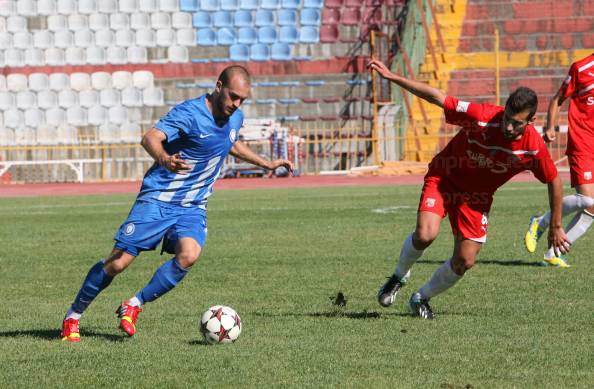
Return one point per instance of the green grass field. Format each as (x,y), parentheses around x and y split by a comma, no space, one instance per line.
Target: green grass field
(279,257)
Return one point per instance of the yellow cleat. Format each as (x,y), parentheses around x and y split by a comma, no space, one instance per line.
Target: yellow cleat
(555,262)
(532,235)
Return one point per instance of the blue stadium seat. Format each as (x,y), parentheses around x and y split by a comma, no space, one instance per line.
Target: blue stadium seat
(270,4)
(265,101)
(264,18)
(289,83)
(201,20)
(222,19)
(239,53)
(205,85)
(287,17)
(288,34)
(243,18)
(309,34)
(200,60)
(314,82)
(313,4)
(209,5)
(259,52)
(226,36)
(289,118)
(188,5)
(291,4)
(229,5)
(310,17)
(280,52)
(266,35)
(248,4)
(219,59)
(247,36)
(206,37)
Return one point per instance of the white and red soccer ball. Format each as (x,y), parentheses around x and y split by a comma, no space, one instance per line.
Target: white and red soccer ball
(220,324)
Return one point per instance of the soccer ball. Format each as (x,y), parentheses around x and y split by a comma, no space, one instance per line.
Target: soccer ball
(220,324)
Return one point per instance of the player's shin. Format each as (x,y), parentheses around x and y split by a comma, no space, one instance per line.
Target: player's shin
(166,278)
(97,280)
(443,279)
(571,203)
(408,256)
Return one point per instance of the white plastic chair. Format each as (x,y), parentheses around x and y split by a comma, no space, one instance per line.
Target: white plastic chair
(148,6)
(54,56)
(57,22)
(181,20)
(97,115)
(146,38)
(5,40)
(116,55)
(130,132)
(178,54)
(88,98)
(165,37)
(119,21)
(98,21)
(47,99)
(104,38)
(25,136)
(7,100)
(140,21)
(43,39)
(109,97)
(67,98)
(34,57)
(26,7)
(59,81)
(121,79)
(84,38)
(55,116)
(13,118)
(153,97)
(38,81)
(26,99)
(3,83)
(142,79)
(22,40)
(16,82)
(67,7)
(128,6)
(117,115)
(78,22)
(131,97)
(125,38)
(14,58)
(100,80)
(75,56)
(107,6)
(108,133)
(34,117)
(169,5)
(160,20)
(46,7)
(87,6)
(63,39)
(137,54)
(16,23)
(47,135)
(77,116)
(66,134)
(186,37)
(95,55)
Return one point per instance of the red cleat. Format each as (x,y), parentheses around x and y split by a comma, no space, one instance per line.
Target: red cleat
(128,315)
(70,331)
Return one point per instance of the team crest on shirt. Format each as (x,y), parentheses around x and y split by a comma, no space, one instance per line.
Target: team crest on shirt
(588,175)
(232,135)
(430,202)
(129,229)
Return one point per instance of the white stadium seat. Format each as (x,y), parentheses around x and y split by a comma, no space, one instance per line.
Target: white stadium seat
(104,38)
(178,54)
(75,56)
(117,115)
(7,7)
(66,7)
(3,83)
(59,81)
(63,39)
(134,114)
(121,79)
(25,100)
(7,100)
(16,82)
(140,21)
(55,116)
(16,23)
(46,7)
(109,97)
(97,115)
(26,7)
(47,99)
(84,38)
(5,40)
(87,6)
(66,134)
(165,37)
(67,98)
(137,54)
(76,116)
(78,22)
(25,136)
(101,80)
(47,135)
(98,22)
(153,97)
(2,23)
(88,98)
(34,57)
(131,97)
(38,81)
(160,20)
(2,64)
(22,40)
(145,38)
(107,6)
(95,55)
(43,39)
(129,6)
(34,117)
(181,20)
(14,58)
(54,56)
(109,133)
(142,79)
(13,118)
(186,37)
(148,6)
(125,38)
(119,21)
(116,55)
(130,132)
(169,5)
(56,22)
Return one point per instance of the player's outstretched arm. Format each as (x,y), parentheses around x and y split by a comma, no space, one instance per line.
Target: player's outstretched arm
(420,89)
(557,238)
(243,152)
(553,116)
(152,142)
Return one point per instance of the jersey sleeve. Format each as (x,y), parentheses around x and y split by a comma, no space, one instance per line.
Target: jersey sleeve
(462,113)
(568,87)
(544,168)
(177,121)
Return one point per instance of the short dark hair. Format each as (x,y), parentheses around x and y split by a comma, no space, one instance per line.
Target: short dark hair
(522,99)
(231,71)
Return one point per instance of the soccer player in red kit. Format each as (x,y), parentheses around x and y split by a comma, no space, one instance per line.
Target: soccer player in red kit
(494,144)
(579,87)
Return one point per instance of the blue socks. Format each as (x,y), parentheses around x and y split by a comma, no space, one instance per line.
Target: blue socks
(97,280)
(166,277)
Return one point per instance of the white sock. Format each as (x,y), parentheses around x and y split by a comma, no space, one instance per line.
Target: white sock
(571,204)
(70,314)
(134,301)
(443,279)
(408,256)
(575,229)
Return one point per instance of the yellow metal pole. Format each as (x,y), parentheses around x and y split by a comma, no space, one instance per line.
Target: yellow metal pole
(497,93)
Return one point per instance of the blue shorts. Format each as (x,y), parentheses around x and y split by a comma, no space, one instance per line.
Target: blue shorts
(148,223)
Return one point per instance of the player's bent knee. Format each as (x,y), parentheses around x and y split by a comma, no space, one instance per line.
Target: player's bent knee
(117,262)
(424,237)
(461,264)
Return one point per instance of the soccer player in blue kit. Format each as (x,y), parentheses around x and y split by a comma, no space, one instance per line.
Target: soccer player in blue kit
(189,145)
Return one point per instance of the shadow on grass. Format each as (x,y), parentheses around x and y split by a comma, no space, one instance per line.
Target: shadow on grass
(337,313)
(499,262)
(54,334)
(199,342)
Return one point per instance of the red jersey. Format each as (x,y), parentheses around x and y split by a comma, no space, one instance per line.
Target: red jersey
(479,158)
(579,85)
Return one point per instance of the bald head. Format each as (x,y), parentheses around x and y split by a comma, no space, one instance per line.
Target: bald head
(234,71)
(232,88)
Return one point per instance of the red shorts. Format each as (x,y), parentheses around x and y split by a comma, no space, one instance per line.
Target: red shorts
(581,169)
(468,211)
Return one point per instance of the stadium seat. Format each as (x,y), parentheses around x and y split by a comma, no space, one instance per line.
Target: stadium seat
(313,4)
(125,38)
(25,99)
(280,52)
(22,40)
(78,22)
(229,5)
(47,99)
(148,6)
(328,33)
(131,97)
(225,37)
(54,56)
(209,5)
(130,132)
(247,36)
(353,3)
(189,5)
(80,81)
(259,52)
(33,117)
(270,4)
(119,21)
(95,55)
(103,38)
(121,79)
(288,34)
(16,82)
(372,16)
(264,18)
(153,97)
(222,19)
(178,54)
(67,98)
(46,7)
(309,34)
(43,39)
(351,16)
(66,7)
(100,80)
(266,35)
(2,83)
(243,18)
(96,22)
(145,38)
(5,40)
(201,20)
(46,134)
(59,81)
(107,6)
(206,37)
(140,21)
(57,22)
(87,7)
(165,37)
(63,39)
(169,5)
(239,53)
(108,133)
(142,79)
(97,115)
(6,100)
(291,4)
(128,6)
(66,134)
(109,97)
(76,116)
(137,54)
(117,114)
(2,64)
(248,4)
(84,38)
(160,20)
(287,17)
(186,37)
(310,17)
(330,16)
(181,20)
(14,58)
(88,98)
(38,81)
(34,57)
(13,118)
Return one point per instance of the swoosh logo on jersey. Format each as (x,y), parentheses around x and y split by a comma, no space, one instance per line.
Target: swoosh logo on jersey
(202,136)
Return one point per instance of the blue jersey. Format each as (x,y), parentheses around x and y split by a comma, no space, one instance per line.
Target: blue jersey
(191,131)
